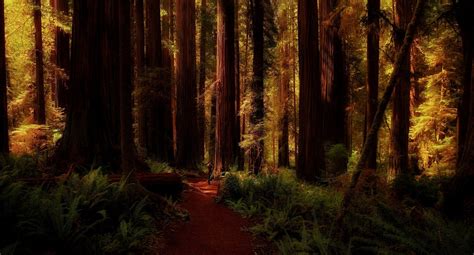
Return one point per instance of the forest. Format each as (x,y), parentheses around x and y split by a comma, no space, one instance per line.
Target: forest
(236,127)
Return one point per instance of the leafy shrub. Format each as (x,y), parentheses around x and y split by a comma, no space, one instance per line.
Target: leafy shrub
(337,158)
(424,190)
(299,218)
(83,215)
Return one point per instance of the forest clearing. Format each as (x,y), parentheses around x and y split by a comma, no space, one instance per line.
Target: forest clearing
(236,127)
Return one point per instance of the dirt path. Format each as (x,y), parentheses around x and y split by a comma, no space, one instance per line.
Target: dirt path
(212,229)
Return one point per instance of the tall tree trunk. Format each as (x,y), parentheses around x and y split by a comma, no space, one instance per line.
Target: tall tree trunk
(238,151)
(168,62)
(310,154)
(401,100)
(284,88)
(202,79)
(225,90)
(257,88)
(126,132)
(159,112)
(459,195)
(373,38)
(62,54)
(464,19)
(187,155)
(398,66)
(4,142)
(140,65)
(334,82)
(92,133)
(40,111)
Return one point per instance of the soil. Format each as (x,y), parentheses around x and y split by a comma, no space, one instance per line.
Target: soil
(212,228)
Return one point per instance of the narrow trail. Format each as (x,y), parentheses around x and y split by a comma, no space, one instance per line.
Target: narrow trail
(212,228)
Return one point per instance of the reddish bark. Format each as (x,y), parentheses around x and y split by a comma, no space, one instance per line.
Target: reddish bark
(310,153)
(4,142)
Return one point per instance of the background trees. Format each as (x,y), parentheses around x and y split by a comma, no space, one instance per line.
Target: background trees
(4,141)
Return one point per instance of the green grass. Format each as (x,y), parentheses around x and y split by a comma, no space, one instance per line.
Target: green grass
(298,218)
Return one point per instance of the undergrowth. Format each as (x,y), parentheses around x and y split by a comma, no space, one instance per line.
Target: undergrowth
(82,215)
(299,219)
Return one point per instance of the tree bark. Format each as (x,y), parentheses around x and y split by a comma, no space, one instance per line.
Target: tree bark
(373,41)
(158,113)
(310,154)
(401,98)
(238,151)
(4,142)
(257,88)
(284,88)
(202,79)
(127,145)
(40,110)
(140,65)
(334,82)
(62,55)
(92,133)
(402,54)
(187,155)
(459,195)
(465,19)
(225,88)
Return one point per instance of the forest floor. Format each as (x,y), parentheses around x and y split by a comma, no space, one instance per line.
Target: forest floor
(212,228)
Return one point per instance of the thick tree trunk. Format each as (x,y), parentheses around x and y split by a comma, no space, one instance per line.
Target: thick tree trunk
(4,142)
(402,54)
(202,79)
(310,154)
(334,82)
(40,110)
(284,88)
(91,137)
(459,196)
(158,113)
(401,98)
(168,62)
(62,55)
(373,7)
(238,151)
(187,155)
(464,18)
(257,88)
(140,65)
(127,145)
(225,88)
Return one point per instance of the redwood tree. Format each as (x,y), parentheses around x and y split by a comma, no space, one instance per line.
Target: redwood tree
(284,90)
(464,17)
(40,111)
(373,9)
(258,108)
(225,90)
(401,97)
(187,154)
(4,148)
(334,79)
(310,153)
(158,115)
(91,136)
(62,56)
(202,78)
(127,146)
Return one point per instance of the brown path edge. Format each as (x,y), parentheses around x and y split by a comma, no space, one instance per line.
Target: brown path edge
(212,228)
